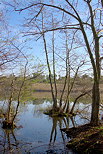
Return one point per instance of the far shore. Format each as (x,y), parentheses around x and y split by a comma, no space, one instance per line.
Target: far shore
(43,90)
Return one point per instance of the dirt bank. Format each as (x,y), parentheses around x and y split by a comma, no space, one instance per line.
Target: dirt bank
(86,139)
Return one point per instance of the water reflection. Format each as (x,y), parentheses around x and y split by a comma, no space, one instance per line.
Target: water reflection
(39,133)
(9,142)
(61,122)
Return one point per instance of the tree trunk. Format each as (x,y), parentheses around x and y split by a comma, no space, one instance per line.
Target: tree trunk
(95,104)
(49,69)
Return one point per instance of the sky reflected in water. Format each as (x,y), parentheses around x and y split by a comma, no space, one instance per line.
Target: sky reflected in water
(38,133)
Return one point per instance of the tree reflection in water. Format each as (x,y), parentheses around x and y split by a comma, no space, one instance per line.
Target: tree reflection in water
(9,143)
(60,122)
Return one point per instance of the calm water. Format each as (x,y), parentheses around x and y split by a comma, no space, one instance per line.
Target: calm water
(38,133)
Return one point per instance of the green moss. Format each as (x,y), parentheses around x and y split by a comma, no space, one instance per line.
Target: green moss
(55,114)
(100,128)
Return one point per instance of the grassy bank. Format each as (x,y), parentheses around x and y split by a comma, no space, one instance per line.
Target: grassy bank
(34,89)
(86,139)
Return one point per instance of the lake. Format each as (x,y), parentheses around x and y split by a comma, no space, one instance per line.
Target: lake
(37,133)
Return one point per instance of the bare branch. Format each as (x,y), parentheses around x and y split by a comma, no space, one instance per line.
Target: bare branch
(52,6)
(53,29)
(22,84)
(81,95)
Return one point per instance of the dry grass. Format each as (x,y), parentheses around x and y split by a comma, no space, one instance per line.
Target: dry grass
(43,90)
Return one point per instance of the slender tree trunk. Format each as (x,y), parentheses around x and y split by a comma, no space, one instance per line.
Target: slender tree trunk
(9,103)
(67,77)
(68,74)
(52,90)
(49,70)
(64,86)
(68,90)
(54,71)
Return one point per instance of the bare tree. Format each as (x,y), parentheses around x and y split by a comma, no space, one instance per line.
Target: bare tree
(7,53)
(89,27)
(10,117)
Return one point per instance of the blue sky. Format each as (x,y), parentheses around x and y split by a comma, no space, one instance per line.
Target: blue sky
(31,47)
(16,20)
